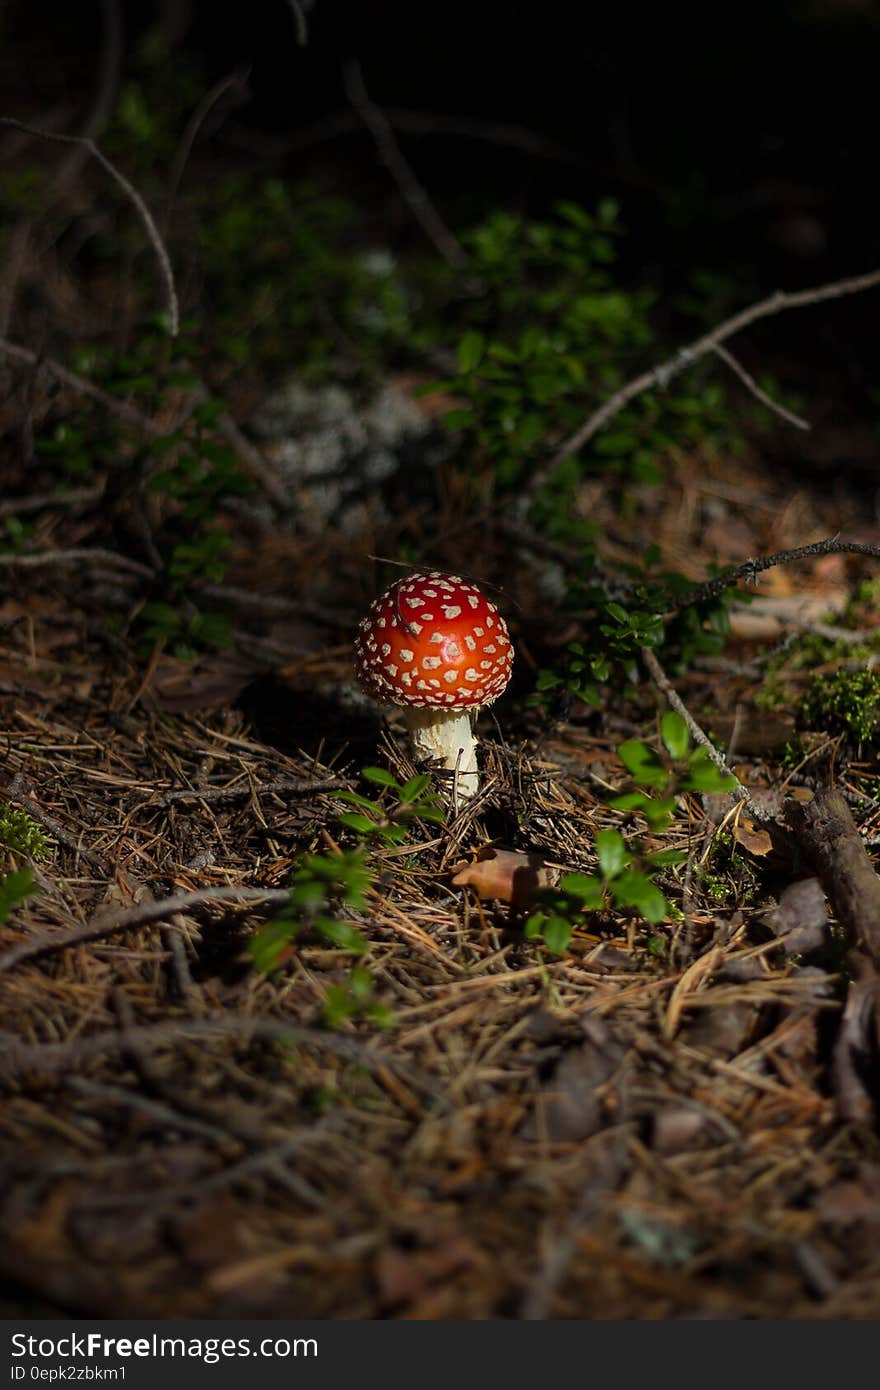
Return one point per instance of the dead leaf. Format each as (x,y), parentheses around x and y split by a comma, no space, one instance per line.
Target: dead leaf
(756,841)
(507,875)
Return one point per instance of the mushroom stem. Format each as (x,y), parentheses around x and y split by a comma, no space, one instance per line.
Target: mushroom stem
(447,737)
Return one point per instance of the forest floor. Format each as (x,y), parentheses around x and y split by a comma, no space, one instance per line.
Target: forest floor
(409,1106)
(652,1124)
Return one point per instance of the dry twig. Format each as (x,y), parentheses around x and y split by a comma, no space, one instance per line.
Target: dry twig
(392,157)
(134,197)
(686,357)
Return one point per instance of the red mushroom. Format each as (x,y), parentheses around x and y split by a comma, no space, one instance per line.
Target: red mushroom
(437,647)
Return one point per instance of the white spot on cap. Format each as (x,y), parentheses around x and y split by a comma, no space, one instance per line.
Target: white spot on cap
(436,637)
(416,627)
(490,621)
(430,663)
(484,666)
(473,601)
(416,602)
(465,690)
(406,677)
(490,648)
(451,610)
(392,670)
(386,649)
(469,642)
(453,651)
(471,675)
(450,677)
(407,656)
(430,593)
(479,632)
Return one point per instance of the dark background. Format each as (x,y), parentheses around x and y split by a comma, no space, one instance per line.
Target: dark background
(739,139)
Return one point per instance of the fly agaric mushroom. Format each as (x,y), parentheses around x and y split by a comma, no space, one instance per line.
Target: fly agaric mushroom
(438,648)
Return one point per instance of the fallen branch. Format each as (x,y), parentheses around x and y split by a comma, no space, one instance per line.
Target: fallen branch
(299,786)
(686,357)
(67,559)
(829,836)
(130,919)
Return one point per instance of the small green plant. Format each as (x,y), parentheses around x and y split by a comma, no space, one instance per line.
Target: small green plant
(386,821)
(846,702)
(319,887)
(356,998)
(626,869)
(14,889)
(658,781)
(20,833)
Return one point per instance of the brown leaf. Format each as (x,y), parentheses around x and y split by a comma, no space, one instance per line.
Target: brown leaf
(757,842)
(507,875)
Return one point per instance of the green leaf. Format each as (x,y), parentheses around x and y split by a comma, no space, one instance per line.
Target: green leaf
(341,934)
(675,734)
(557,935)
(378,775)
(414,787)
(470,351)
(611,849)
(634,889)
(587,889)
(355,821)
(642,762)
(14,889)
(355,799)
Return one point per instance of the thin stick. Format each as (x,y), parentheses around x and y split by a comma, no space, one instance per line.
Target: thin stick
(662,681)
(134,197)
(687,356)
(130,919)
(750,569)
(751,385)
(77,497)
(128,413)
(299,19)
(65,559)
(390,153)
(194,124)
(300,786)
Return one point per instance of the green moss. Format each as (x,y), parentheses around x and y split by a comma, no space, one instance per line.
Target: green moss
(20,833)
(845,702)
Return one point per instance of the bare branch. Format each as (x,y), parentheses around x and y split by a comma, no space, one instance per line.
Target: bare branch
(296,786)
(751,385)
(686,357)
(81,384)
(662,681)
(130,919)
(134,197)
(65,559)
(392,157)
(750,569)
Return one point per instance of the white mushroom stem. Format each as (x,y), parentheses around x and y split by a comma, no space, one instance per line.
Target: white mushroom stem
(447,737)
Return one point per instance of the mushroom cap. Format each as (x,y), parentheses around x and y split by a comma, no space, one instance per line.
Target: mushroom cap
(433,640)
